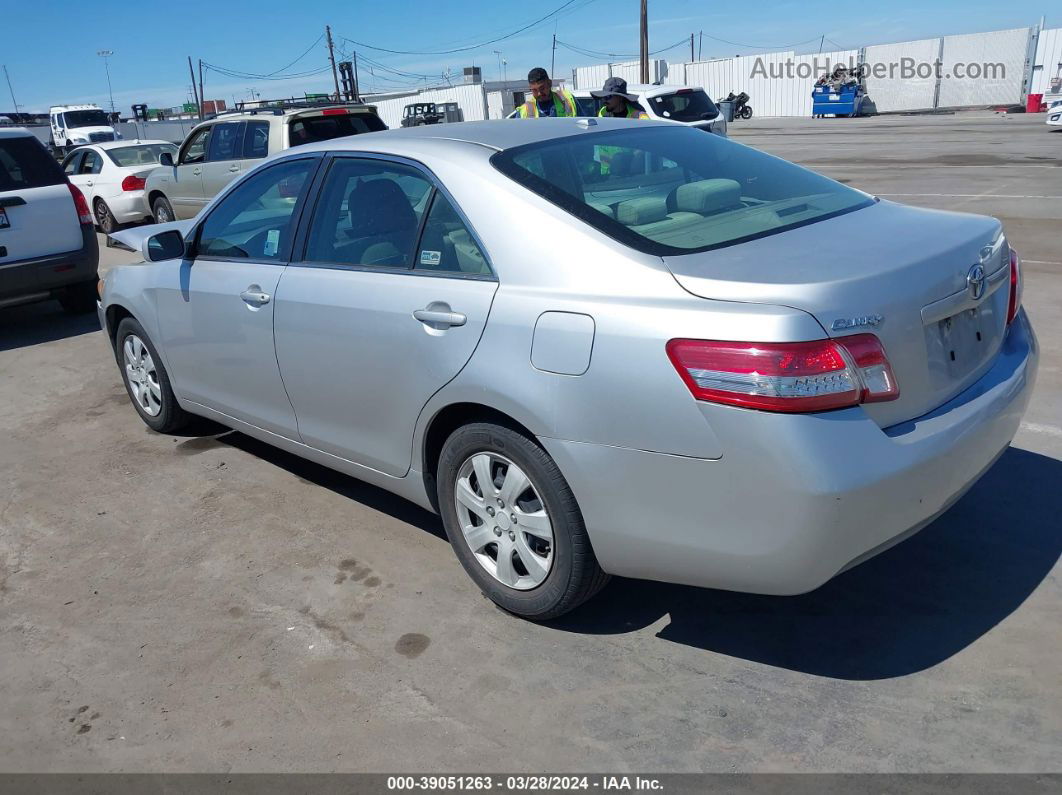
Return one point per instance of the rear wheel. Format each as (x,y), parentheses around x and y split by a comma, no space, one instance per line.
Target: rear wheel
(514,523)
(104,219)
(79,299)
(746,112)
(162,210)
(146,379)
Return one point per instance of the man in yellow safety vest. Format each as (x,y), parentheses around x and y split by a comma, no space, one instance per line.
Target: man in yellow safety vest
(618,103)
(545,99)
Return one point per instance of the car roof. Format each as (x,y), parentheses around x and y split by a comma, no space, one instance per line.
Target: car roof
(15,132)
(497,134)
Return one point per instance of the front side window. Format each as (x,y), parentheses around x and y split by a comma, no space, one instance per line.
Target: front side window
(254,221)
(368,214)
(675,190)
(256,140)
(224,143)
(195,150)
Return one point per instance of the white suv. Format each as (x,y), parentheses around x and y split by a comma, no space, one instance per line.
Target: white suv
(217,151)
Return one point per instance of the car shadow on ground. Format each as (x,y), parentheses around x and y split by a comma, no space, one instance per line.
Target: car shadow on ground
(901,612)
(45,321)
(351,488)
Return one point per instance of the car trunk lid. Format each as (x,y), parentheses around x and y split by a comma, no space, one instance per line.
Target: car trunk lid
(901,273)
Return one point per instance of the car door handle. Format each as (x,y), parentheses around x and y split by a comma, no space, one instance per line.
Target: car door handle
(89,183)
(196,172)
(440,318)
(234,169)
(253,296)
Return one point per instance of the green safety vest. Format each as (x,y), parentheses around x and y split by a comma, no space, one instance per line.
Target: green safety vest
(633,112)
(563,101)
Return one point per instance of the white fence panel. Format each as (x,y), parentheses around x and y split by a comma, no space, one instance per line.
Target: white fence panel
(595,76)
(472,100)
(495,105)
(591,76)
(1009,48)
(1048,62)
(892,91)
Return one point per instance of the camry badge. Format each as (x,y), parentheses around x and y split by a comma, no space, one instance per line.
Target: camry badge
(855,322)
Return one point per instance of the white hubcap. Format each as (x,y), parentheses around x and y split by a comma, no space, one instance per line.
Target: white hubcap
(504,521)
(142,377)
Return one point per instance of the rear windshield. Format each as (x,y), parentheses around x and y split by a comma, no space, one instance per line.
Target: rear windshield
(140,155)
(310,129)
(25,163)
(666,189)
(689,104)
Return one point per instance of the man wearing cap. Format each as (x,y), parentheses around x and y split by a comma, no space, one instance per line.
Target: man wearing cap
(618,103)
(546,100)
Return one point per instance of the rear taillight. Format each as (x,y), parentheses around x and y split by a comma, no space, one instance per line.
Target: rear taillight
(786,376)
(84,214)
(1015,286)
(133,183)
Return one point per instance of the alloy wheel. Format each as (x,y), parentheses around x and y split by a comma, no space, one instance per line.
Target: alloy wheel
(142,375)
(504,521)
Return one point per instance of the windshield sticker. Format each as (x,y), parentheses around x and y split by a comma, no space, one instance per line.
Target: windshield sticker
(430,257)
(272,242)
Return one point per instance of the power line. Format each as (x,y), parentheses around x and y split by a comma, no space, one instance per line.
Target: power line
(759,46)
(307,52)
(516,32)
(598,54)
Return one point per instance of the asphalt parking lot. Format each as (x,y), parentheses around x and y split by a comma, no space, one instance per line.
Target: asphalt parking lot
(211,604)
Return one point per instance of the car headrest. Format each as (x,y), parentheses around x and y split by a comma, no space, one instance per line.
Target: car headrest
(707,196)
(602,208)
(635,212)
(379,207)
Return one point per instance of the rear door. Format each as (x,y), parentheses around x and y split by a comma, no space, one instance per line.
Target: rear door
(255,144)
(37,214)
(222,164)
(386,308)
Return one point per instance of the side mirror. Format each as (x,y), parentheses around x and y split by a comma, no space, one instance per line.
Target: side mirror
(166,159)
(163,246)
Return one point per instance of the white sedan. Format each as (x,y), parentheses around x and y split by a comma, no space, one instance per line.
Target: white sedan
(112,177)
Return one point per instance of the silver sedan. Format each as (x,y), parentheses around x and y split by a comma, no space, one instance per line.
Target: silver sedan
(594,347)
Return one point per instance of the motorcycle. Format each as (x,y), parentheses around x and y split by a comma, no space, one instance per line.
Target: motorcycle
(742,110)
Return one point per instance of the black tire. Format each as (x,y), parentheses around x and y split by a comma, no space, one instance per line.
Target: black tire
(575,575)
(171,417)
(162,210)
(746,112)
(79,299)
(104,219)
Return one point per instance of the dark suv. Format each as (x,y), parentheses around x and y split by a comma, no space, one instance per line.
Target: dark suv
(48,245)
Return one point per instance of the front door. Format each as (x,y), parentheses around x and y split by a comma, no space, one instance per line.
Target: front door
(386,308)
(185,188)
(216,312)
(88,171)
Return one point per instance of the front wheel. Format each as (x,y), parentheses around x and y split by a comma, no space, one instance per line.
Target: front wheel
(514,523)
(746,112)
(162,210)
(146,379)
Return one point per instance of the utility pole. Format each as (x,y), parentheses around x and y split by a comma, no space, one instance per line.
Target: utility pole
(644,43)
(9,88)
(553,60)
(332,58)
(821,40)
(195,91)
(357,88)
(700,46)
(105,54)
(202,96)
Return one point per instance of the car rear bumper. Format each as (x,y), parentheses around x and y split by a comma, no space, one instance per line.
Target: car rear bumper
(795,499)
(40,278)
(129,206)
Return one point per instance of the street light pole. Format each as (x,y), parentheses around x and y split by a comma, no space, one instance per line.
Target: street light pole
(105,55)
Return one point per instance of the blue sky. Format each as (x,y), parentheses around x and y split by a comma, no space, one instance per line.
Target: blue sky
(50,49)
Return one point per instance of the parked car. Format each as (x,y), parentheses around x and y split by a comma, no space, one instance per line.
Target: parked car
(420,113)
(76,125)
(1054,111)
(218,151)
(48,246)
(682,374)
(688,105)
(112,177)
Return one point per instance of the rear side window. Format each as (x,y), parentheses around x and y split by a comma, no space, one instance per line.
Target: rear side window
(671,189)
(688,104)
(447,245)
(25,163)
(256,140)
(309,129)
